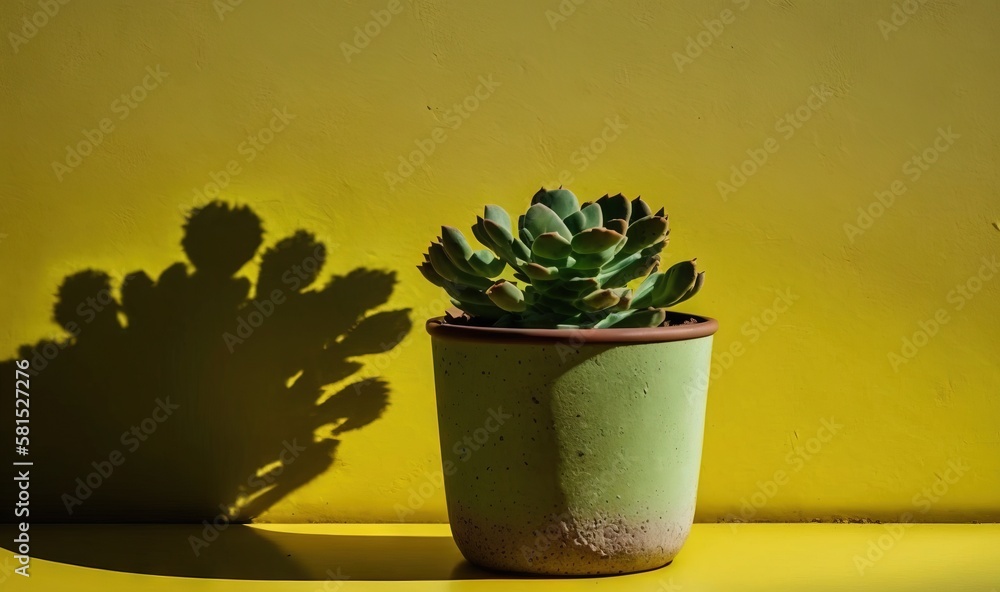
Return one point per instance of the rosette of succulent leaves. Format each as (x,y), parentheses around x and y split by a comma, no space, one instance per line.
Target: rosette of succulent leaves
(565,265)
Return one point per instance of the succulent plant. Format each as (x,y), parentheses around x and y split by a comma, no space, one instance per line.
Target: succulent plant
(570,265)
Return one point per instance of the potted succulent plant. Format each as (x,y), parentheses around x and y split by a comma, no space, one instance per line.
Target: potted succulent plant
(571,405)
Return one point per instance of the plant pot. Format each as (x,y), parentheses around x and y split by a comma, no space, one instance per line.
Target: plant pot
(571,452)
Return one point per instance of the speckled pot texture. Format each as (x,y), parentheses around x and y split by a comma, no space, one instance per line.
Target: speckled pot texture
(570,452)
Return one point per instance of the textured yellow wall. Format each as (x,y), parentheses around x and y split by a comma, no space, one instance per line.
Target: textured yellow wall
(818,407)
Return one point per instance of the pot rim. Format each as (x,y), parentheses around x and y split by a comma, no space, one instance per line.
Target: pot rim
(705,327)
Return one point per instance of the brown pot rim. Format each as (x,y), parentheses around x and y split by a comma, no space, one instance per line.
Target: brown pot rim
(703,328)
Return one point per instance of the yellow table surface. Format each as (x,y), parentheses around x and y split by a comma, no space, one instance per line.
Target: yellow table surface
(808,557)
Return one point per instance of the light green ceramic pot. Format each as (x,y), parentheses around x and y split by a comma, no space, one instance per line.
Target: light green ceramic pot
(572,451)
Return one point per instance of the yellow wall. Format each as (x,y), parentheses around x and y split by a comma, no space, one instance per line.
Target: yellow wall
(883,91)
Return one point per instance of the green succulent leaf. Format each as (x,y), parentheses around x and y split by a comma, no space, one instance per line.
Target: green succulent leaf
(447,270)
(502,248)
(530,294)
(599,300)
(457,248)
(561,201)
(640,210)
(500,235)
(466,294)
(661,290)
(487,264)
(645,233)
(568,272)
(559,291)
(507,296)
(551,245)
(441,263)
(595,240)
(698,283)
(624,258)
(427,270)
(541,286)
(546,262)
(520,249)
(636,266)
(575,222)
(618,225)
(536,271)
(526,236)
(620,261)
(490,311)
(540,219)
(625,296)
(617,206)
(657,247)
(479,231)
(648,317)
(582,285)
(593,262)
(497,215)
(588,217)
(557,306)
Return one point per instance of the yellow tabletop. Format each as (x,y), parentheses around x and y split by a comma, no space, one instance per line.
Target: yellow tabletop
(383,557)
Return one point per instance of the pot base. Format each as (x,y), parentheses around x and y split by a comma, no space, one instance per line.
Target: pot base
(604,545)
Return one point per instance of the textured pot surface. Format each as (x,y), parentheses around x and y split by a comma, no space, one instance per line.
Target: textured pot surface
(570,456)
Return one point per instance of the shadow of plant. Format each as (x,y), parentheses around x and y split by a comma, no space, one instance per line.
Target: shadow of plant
(198,394)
